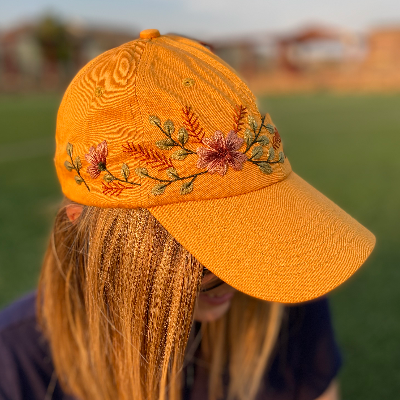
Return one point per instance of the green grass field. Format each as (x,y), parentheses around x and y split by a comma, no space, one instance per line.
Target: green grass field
(346,146)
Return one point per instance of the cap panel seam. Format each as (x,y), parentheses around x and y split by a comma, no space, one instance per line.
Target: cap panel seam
(92,98)
(137,102)
(78,78)
(146,62)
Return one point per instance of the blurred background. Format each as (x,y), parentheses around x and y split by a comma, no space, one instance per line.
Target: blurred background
(327,72)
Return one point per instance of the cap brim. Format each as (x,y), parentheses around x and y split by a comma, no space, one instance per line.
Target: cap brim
(286,242)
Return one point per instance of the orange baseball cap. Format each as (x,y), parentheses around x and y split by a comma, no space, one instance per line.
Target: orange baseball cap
(163,123)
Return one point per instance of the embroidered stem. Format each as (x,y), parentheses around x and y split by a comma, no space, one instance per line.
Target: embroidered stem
(262,161)
(169,181)
(78,171)
(256,134)
(120,180)
(249,159)
(175,143)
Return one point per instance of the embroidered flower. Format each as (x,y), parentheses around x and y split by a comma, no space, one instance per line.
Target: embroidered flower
(97,159)
(221,152)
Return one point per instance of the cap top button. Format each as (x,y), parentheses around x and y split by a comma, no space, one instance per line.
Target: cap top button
(149,33)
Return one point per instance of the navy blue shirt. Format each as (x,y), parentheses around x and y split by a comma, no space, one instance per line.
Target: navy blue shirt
(305,360)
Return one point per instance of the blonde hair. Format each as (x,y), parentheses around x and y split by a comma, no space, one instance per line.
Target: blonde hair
(116,301)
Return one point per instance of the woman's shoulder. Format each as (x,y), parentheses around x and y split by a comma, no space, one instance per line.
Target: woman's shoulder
(26,369)
(22,311)
(19,334)
(307,357)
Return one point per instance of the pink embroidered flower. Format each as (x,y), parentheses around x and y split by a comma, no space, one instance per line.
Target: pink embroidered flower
(97,159)
(221,152)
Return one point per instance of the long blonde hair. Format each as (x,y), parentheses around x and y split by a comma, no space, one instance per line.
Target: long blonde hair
(116,300)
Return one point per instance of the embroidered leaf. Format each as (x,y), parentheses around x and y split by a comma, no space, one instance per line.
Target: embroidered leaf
(271,155)
(114,188)
(142,172)
(158,189)
(179,154)
(252,122)
(150,156)
(248,136)
(108,178)
(154,120)
(183,136)
(78,179)
(192,124)
(70,149)
(165,144)
(276,141)
(239,114)
(78,163)
(263,140)
(186,187)
(257,152)
(265,167)
(172,173)
(270,128)
(281,157)
(169,127)
(125,171)
(68,165)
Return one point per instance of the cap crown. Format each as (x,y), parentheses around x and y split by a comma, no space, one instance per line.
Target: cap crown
(162,120)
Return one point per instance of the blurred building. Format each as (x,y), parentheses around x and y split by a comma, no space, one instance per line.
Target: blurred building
(46,55)
(384,53)
(318,59)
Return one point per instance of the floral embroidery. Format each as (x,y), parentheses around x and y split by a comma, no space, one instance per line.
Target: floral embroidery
(239,114)
(216,155)
(150,156)
(276,141)
(97,159)
(75,165)
(192,124)
(114,188)
(221,152)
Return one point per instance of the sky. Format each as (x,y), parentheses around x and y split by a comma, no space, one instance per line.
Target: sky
(209,18)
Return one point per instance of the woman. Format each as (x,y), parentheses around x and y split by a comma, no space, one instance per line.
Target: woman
(184,232)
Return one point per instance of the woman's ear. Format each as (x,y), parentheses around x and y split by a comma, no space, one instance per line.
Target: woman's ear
(73,211)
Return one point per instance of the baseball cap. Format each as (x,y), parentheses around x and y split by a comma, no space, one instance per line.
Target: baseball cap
(163,123)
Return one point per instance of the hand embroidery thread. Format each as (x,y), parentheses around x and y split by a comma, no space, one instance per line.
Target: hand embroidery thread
(215,153)
(97,159)
(75,165)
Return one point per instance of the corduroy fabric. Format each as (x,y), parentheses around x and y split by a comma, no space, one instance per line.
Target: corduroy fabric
(268,234)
